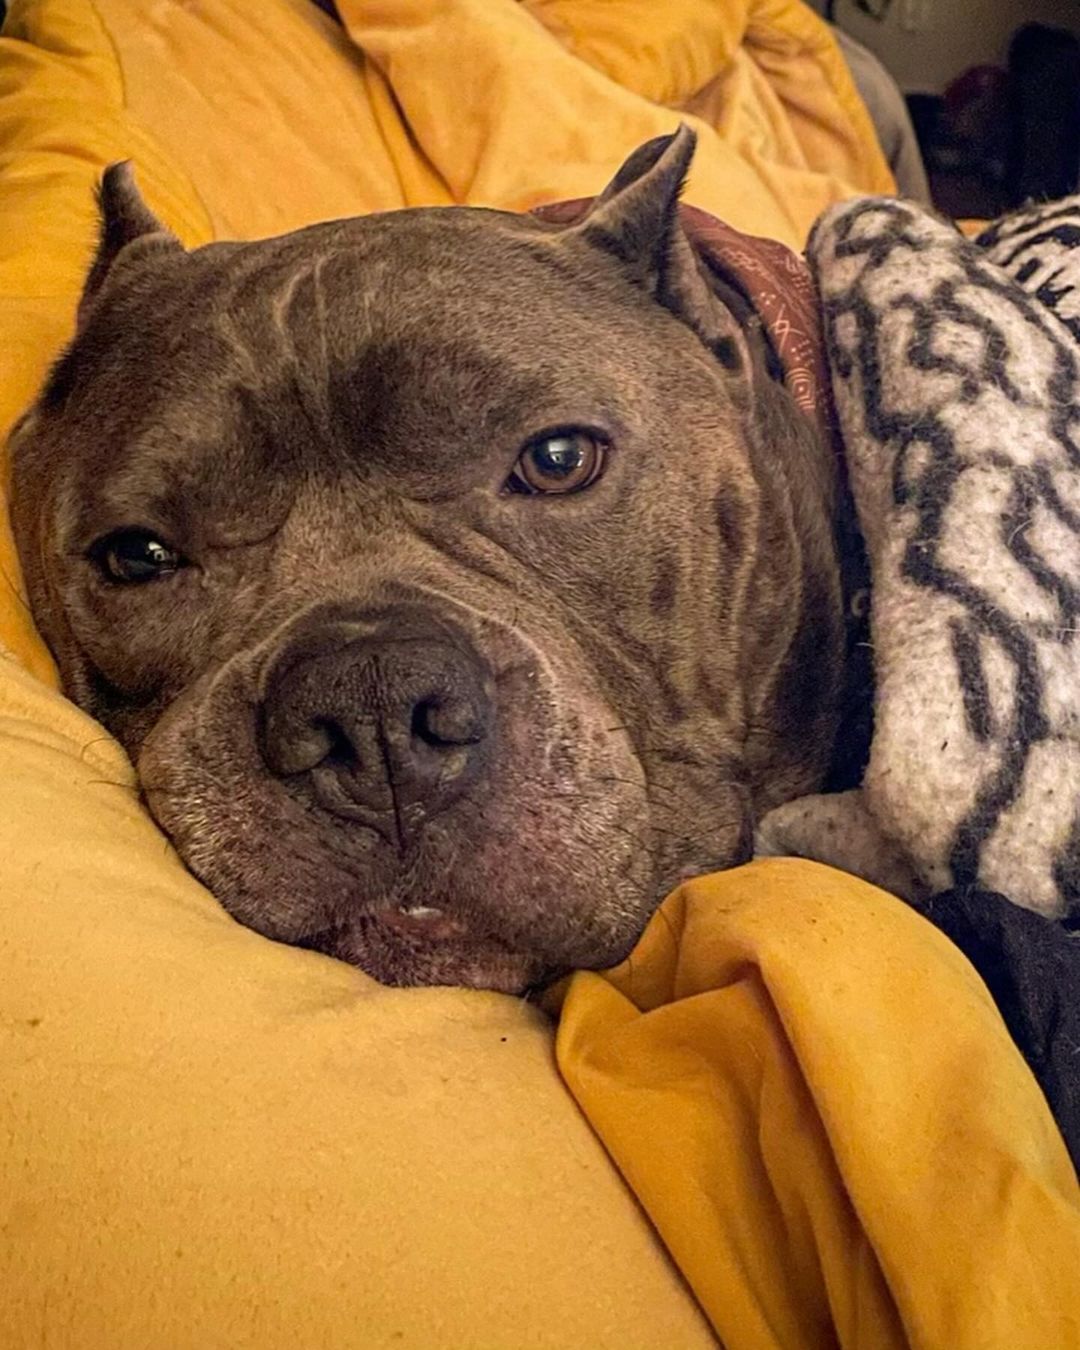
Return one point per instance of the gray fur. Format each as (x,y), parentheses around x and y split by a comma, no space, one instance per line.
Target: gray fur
(324,425)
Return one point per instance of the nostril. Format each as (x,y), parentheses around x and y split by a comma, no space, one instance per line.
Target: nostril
(340,748)
(295,744)
(446,722)
(292,746)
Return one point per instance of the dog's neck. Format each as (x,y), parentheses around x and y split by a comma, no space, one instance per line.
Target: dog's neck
(772,293)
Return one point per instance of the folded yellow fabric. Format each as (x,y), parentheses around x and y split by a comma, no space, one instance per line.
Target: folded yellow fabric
(514,104)
(813,1095)
(492,103)
(765,75)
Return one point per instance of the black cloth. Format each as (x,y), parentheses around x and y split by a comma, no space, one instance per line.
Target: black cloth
(1031,966)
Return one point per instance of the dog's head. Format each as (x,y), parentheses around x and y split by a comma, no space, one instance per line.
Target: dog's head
(458,582)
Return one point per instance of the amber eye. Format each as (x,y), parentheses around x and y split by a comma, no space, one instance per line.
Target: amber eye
(559,461)
(131,557)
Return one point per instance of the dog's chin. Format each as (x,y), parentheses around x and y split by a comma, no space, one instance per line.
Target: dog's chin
(421,945)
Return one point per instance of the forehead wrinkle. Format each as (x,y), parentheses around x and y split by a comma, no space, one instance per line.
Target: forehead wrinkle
(225,327)
(298,306)
(280,302)
(316,274)
(249,297)
(270,318)
(254,298)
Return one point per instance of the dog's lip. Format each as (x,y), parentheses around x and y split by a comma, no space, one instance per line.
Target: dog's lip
(423,941)
(423,921)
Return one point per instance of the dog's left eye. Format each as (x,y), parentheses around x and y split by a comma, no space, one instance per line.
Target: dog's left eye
(135,556)
(559,462)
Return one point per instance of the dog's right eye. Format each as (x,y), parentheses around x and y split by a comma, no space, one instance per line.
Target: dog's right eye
(559,462)
(130,557)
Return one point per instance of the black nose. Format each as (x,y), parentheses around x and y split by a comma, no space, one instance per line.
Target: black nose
(386,721)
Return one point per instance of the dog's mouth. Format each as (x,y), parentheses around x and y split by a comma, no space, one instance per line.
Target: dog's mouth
(426,923)
(425,944)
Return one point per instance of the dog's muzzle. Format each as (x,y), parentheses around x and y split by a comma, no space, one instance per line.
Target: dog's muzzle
(383,718)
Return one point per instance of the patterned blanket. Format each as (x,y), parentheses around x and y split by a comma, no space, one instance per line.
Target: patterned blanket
(955,373)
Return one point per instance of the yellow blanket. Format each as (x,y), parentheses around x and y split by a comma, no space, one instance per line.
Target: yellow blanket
(812,1094)
(209,1139)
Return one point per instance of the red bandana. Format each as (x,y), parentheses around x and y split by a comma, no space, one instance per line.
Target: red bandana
(775,281)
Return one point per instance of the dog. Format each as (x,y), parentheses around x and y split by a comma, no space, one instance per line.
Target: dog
(458,582)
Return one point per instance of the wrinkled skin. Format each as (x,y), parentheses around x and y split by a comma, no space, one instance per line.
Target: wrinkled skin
(389,707)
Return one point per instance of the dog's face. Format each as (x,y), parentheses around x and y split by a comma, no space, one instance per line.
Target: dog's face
(457,582)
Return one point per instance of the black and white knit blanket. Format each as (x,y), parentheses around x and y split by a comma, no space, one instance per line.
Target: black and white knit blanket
(955,374)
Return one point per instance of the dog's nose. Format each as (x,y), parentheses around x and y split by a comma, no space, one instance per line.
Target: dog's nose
(389,727)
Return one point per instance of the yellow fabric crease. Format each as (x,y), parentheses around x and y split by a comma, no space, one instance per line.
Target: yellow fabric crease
(211,1139)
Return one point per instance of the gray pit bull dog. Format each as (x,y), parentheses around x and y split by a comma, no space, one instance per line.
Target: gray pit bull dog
(458,582)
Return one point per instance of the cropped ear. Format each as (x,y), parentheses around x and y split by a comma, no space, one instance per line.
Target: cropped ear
(125,217)
(636,217)
(636,220)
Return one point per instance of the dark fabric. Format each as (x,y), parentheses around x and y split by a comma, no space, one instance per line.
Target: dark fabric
(1031,966)
(1044,105)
